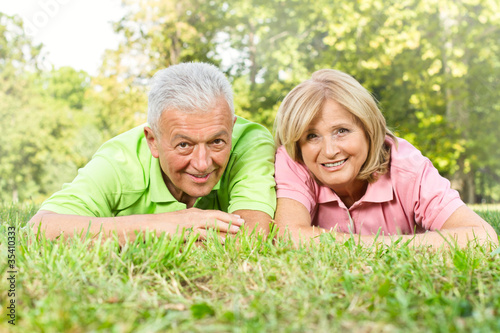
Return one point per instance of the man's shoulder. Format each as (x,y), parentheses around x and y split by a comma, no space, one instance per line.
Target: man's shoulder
(116,176)
(131,137)
(128,153)
(130,144)
(247,133)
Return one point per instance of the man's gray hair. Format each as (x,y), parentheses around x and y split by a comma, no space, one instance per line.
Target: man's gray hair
(188,87)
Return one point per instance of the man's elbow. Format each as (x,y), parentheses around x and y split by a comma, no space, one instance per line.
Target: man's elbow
(256,222)
(36,223)
(264,227)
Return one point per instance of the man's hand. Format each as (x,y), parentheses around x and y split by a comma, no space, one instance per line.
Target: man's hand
(202,220)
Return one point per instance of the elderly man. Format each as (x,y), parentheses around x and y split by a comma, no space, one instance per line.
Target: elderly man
(194,165)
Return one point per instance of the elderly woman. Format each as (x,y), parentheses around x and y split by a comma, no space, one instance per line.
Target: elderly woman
(339,169)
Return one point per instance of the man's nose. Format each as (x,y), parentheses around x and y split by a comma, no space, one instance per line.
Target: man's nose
(201,158)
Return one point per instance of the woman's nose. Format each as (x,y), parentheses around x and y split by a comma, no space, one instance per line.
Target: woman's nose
(330,148)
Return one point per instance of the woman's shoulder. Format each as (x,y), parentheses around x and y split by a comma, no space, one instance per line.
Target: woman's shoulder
(294,181)
(405,157)
(284,161)
(287,168)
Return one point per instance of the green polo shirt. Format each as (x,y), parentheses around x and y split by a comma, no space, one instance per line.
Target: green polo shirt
(123,178)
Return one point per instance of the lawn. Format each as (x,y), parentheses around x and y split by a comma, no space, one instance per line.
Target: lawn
(158,284)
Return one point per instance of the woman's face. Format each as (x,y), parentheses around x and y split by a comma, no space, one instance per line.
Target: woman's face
(334,147)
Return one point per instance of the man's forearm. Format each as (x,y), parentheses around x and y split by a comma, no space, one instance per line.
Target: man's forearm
(54,225)
(255,219)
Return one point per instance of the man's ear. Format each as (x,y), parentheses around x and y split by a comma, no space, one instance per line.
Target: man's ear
(234,120)
(152,141)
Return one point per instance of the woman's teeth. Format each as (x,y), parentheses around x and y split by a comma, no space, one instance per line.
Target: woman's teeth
(329,165)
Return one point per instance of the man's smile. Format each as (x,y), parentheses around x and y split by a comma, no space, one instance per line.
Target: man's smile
(200,178)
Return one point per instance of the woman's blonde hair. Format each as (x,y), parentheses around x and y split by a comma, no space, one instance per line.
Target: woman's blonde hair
(306,100)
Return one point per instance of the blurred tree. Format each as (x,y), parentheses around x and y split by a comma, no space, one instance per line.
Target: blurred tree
(115,101)
(17,56)
(274,43)
(470,58)
(39,118)
(424,60)
(433,65)
(66,84)
(157,34)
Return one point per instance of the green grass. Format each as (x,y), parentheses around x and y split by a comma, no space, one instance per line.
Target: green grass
(161,284)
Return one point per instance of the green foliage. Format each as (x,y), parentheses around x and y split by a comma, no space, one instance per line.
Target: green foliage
(429,63)
(249,284)
(26,160)
(42,116)
(66,84)
(433,65)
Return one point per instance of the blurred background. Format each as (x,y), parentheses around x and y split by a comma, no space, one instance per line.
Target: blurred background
(75,73)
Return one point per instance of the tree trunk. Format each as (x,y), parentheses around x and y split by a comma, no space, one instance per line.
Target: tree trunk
(470,189)
(457,111)
(252,48)
(463,182)
(15,195)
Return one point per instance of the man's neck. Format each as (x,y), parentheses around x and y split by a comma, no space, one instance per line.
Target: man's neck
(179,195)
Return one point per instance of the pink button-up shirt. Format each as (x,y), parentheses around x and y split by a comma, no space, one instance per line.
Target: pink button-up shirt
(410,197)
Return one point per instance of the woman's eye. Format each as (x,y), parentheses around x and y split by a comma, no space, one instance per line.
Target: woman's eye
(311,136)
(343,131)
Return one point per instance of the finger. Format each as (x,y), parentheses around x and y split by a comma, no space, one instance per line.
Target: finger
(233,229)
(237,220)
(222,226)
(202,234)
(228,218)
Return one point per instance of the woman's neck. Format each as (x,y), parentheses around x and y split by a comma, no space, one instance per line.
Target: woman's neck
(353,193)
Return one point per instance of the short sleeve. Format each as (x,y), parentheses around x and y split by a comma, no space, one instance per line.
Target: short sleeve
(251,178)
(293,181)
(434,199)
(94,191)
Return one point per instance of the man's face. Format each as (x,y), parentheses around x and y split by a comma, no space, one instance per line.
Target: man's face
(193,149)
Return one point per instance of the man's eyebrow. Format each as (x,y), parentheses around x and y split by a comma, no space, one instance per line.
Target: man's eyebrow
(181,136)
(220,133)
(216,135)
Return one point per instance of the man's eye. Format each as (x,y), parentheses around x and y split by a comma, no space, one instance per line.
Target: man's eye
(218,141)
(183,145)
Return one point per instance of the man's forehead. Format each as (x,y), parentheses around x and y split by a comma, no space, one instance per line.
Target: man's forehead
(196,125)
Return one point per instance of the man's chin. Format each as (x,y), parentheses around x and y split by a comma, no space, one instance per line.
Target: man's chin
(201,190)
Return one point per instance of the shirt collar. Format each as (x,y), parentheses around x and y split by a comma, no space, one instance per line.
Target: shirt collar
(159,191)
(379,191)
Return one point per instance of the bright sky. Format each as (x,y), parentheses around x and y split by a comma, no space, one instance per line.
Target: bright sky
(74,32)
